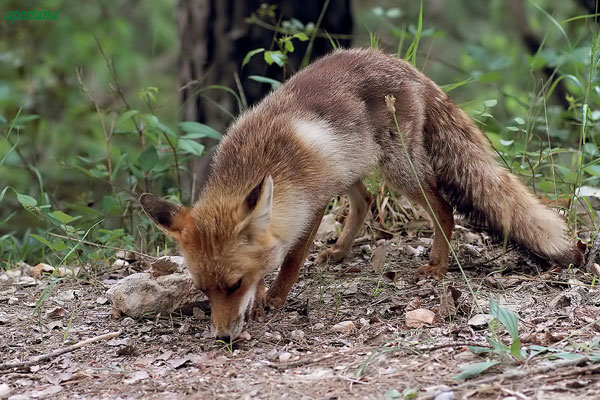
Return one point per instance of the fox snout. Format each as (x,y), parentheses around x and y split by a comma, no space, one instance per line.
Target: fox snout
(229,313)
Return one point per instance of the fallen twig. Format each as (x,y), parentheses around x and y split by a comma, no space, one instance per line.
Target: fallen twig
(300,363)
(57,352)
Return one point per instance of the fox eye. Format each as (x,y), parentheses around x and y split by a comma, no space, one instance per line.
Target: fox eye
(235,287)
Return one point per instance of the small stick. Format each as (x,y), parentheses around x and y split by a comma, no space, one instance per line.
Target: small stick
(57,352)
(300,363)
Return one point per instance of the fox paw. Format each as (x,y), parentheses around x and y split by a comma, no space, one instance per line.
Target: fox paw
(273,302)
(258,310)
(436,272)
(332,255)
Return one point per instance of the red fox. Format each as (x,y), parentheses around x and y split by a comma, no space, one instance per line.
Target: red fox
(316,137)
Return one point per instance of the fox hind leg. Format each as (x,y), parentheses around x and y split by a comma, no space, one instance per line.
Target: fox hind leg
(441,216)
(360,200)
(398,173)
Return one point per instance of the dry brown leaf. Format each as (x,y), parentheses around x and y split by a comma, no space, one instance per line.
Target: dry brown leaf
(419,318)
(378,260)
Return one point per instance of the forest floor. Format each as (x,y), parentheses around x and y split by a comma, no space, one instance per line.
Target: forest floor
(343,334)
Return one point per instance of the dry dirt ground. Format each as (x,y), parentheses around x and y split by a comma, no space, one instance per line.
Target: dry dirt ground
(300,351)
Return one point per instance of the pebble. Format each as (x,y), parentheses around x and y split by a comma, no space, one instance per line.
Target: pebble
(12,300)
(344,326)
(297,334)
(128,321)
(4,390)
(318,326)
(101,300)
(185,328)
(272,355)
(273,335)
(198,313)
(479,320)
(285,356)
(120,263)
(244,336)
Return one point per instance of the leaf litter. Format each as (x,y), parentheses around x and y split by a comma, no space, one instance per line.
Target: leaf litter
(341,334)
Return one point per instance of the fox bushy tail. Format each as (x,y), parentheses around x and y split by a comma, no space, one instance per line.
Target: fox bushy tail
(470,179)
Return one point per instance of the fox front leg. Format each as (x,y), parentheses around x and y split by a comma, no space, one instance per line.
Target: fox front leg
(290,268)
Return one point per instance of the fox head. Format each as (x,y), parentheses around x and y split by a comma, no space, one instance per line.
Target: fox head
(228,248)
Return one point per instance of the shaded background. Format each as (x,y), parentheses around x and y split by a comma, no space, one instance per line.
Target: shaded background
(73,80)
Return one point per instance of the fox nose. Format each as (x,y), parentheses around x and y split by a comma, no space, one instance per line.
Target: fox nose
(224,338)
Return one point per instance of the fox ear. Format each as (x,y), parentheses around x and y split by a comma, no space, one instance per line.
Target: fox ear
(168,216)
(258,205)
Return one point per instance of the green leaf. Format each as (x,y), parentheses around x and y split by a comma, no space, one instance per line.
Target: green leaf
(490,103)
(166,130)
(41,239)
(301,36)
(196,130)
(478,350)
(191,147)
(58,245)
(26,201)
(474,369)
(289,46)
(593,170)
(276,57)
(263,79)
(126,116)
(508,318)
(520,121)
(148,159)
(250,54)
(63,217)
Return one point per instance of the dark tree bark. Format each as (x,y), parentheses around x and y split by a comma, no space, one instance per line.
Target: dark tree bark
(214,39)
(533,43)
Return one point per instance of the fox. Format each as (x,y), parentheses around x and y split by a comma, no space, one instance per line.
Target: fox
(316,137)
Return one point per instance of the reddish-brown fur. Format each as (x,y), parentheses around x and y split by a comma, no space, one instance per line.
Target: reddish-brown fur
(317,137)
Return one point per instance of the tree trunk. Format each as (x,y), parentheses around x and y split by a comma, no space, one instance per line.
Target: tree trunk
(214,39)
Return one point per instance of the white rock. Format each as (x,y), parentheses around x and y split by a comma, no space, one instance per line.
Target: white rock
(297,334)
(140,294)
(318,326)
(4,390)
(344,326)
(136,377)
(26,281)
(101,300)
(244,336)
(12,301)
(479,320)
(272,355)
(285,356)
(41,269)
(126,255)
(329,228)
(167,265)
(120,263)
